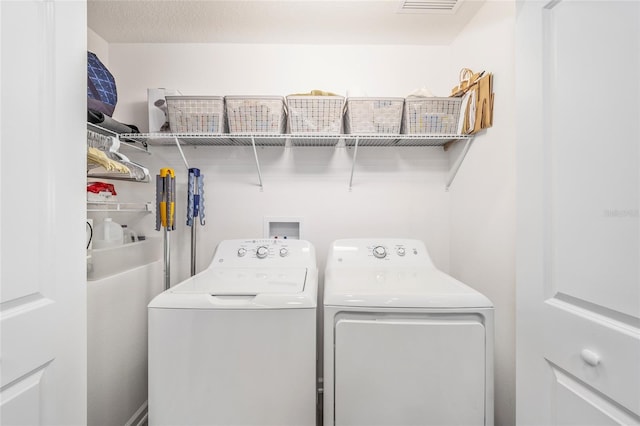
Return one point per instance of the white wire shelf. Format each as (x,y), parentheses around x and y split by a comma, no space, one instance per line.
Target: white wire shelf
(95,131)
(294,140)
(115,206)
(308,139)
(402,139)
(208,139)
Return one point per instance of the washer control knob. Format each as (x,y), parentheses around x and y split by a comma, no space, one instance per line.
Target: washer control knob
(242,251)
(262,252)
(284,252)
(401,251)
(379,252)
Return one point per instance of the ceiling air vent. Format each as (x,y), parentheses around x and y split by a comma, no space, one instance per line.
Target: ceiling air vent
(429,6)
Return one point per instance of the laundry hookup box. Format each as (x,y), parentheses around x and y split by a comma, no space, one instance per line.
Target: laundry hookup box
(255,114)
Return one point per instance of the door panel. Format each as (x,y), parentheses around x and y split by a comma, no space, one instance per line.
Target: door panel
(578,298)
(593,126)
(21,401)
(577,404)
(21,85)
(27,338)
(571,330)
(42,212)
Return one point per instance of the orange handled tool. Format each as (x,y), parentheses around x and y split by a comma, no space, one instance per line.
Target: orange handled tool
(166,199)
(165,214)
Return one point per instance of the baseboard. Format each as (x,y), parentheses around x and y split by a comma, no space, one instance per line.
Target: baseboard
(139,418)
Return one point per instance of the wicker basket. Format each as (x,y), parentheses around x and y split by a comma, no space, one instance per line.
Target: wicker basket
(196,114)
(431,115)
(373,115)
(315,114)
(255,114)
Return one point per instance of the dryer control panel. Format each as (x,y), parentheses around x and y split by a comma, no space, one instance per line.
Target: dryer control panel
(381,251)
(265,252)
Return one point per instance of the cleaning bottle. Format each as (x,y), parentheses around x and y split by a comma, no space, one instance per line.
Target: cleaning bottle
(107,234)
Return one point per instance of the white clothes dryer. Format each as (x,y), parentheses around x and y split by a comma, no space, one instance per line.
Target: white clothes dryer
(404,343)
(236,343)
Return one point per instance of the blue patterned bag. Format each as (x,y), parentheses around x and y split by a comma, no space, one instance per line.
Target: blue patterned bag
(101,86)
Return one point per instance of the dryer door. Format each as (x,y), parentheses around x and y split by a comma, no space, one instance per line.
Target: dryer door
(410,371)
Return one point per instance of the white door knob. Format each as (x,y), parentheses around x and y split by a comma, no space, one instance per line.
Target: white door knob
(590,357)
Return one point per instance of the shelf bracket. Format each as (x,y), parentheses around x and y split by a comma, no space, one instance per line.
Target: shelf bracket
(184,159)
(255,154)
(353,164)
(453,171)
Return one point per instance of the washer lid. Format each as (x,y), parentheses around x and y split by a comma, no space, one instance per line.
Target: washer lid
(244,282)
(398,288)
(243,288)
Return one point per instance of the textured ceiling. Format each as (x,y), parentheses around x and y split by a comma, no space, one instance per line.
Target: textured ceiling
(266,21)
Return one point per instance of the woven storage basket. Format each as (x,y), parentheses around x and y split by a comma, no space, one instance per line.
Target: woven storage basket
(431,115)
(196,114)
(373,115)
(315,114)
(255,114)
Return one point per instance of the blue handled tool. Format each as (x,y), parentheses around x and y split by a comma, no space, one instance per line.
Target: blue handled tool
(195,197)
(195,209)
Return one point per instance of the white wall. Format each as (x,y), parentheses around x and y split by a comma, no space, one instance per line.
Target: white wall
(395,194)
(98,45)
(483,195)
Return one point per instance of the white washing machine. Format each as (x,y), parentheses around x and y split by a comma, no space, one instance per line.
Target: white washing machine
(236,343)
(404,343)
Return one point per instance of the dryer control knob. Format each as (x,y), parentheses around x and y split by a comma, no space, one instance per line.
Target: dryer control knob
(242,251)
(262,252)
(284,252)
(401,251)
(379,252)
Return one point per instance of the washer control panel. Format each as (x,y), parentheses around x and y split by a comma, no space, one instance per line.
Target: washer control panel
(264,252)
(388,251)
(383,251)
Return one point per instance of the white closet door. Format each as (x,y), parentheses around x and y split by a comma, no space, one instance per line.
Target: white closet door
(42,213)
(578,351)
(409,372)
